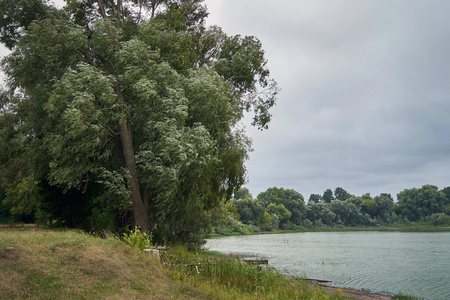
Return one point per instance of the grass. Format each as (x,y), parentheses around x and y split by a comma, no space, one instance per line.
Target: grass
(226,276)
(48,264)
(67,264)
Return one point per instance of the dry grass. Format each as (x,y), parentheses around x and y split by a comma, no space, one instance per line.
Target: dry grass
(44,264)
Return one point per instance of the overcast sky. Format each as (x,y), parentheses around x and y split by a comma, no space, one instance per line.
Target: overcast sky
(365,100)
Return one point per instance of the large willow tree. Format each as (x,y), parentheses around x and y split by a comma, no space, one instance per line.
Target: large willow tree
(138,96)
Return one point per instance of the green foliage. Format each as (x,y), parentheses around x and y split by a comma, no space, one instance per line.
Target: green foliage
(233,210)
(289,198)
(250,210)
(17,15)
(144,103)
(242,193)
(241,61)
(267,222)
(4,210)
(327,196)
(320,214)
(384,205)
(341,194)
(314,198)
(231,226)
(348,213)
(22,198)
(354,211)
(138,239)
(226,220)
(280,211)
(446,192)
(438,219)
(370,207)
(419,203)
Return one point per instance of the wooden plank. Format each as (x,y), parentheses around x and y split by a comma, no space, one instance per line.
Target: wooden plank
(256,261)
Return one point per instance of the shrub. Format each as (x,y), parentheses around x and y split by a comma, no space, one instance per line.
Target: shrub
(438,219)
(138,239)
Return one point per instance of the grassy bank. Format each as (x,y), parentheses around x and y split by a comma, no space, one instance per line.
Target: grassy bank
(66,264)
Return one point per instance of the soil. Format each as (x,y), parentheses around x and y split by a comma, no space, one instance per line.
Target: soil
(351,293)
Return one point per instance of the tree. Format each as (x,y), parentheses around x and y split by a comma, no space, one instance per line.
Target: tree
(384,205)
(242,193)
(137,96)
(291,200)
(366,196)
(341,194)
(250,210)
(319,213)
(446,192)
(282,213)
(267,222)
(327,196)
(314,198)
(348,213)
(417,203)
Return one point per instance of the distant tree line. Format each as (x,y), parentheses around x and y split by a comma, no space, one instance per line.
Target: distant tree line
(279,208)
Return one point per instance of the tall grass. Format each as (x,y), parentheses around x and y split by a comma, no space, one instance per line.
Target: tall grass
(206,271)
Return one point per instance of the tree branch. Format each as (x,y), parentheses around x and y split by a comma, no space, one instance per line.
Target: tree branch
(102,8)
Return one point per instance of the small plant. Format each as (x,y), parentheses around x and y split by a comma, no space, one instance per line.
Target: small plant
(138,239)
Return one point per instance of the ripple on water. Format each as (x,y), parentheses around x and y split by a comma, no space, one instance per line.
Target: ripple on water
(411,263)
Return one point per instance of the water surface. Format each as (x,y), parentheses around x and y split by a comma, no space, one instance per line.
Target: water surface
(413,263)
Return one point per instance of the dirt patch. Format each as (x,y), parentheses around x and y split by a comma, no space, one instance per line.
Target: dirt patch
(351,293)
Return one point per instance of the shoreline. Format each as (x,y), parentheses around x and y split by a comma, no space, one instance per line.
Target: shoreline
(347,292)
(352,293)
(400,228)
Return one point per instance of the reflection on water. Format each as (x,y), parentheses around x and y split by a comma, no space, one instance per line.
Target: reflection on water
(413,263)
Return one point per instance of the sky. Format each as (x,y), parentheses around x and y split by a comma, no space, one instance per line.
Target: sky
(365,100)
(365,93)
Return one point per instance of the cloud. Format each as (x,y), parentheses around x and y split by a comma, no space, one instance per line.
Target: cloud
(365,93)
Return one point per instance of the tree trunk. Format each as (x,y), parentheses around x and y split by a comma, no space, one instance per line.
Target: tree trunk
(139,209)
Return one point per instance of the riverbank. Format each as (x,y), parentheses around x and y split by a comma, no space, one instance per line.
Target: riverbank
(400,228)
(354,294)
(40,263)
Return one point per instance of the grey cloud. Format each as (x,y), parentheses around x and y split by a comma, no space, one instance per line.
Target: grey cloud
(365,94)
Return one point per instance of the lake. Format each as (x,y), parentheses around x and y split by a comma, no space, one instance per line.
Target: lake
(412,263)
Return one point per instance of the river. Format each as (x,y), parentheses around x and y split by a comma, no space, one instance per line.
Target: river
(412,263)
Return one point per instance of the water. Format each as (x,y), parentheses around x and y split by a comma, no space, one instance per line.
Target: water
(412,263)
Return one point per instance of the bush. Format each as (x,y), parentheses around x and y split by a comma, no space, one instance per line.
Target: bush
(232,226)
(438,219)
(138,239)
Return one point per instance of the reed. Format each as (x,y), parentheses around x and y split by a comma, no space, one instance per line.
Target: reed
(208,271)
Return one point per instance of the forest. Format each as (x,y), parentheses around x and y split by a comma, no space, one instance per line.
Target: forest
(285,209)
